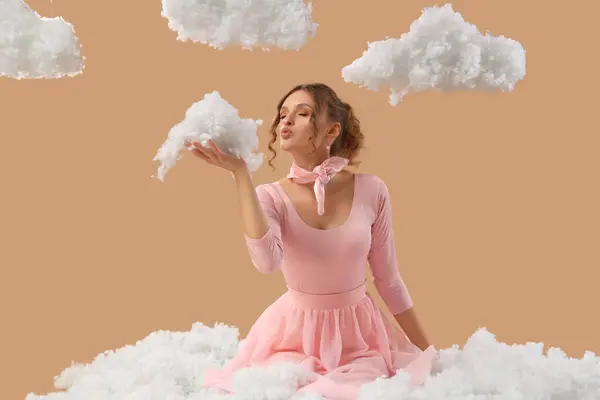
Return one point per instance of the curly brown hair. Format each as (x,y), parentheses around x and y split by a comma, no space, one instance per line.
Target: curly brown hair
(349,141)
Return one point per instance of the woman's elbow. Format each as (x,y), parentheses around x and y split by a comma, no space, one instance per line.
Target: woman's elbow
(267,268)
(270,264)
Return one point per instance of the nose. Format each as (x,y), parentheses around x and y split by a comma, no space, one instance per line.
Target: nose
(287,120)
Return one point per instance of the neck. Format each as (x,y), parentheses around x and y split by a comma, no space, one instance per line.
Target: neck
(309,163)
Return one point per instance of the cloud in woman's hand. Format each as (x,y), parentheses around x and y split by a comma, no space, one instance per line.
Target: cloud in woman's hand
(212,118)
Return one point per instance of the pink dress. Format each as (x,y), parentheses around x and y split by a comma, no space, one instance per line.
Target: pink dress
(325,320)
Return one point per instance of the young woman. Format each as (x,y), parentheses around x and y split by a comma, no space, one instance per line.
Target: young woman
(320,226)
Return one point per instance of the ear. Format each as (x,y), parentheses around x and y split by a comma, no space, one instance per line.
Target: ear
(333,132)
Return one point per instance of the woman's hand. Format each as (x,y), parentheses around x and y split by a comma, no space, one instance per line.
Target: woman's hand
(215,156)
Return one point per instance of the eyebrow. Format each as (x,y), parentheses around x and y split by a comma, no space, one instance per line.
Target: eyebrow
(299,105)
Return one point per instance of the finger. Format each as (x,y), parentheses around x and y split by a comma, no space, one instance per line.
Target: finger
(203,156)
(199,148)
(207,153)
(197,145)
(211,155)
(191,145)
(215,150)
(213,145)
(188,146)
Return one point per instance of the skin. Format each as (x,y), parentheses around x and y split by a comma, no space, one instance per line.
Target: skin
(295,117)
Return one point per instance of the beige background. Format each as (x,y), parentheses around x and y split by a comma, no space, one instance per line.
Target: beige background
(495,197)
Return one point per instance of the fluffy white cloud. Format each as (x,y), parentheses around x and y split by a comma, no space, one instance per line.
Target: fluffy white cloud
(265,24)
(170,365)
(32,46)
(212,118)
(441,51)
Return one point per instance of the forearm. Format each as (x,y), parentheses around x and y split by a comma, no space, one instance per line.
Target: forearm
(409,323)
(253,217)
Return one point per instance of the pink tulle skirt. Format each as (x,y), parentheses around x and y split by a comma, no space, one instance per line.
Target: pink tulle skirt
(343,338)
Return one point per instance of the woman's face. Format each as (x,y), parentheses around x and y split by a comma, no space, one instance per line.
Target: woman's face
(295,127)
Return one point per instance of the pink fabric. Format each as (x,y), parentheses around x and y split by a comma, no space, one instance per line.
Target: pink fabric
(326,321)
(321,175)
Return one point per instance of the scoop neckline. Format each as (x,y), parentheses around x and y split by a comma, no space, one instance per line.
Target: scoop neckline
(290,204)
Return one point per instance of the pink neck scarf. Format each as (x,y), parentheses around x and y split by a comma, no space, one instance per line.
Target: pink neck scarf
(321,175)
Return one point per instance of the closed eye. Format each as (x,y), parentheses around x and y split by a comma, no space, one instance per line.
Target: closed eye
(302,114)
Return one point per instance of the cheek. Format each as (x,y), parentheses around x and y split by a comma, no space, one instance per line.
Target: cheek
(304,135)
(306,128)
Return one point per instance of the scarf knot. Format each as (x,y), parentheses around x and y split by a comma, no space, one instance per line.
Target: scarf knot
(324,174)
(321,175)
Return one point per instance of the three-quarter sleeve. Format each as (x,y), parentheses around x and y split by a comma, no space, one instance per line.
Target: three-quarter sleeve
(382,256)
(266,252)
